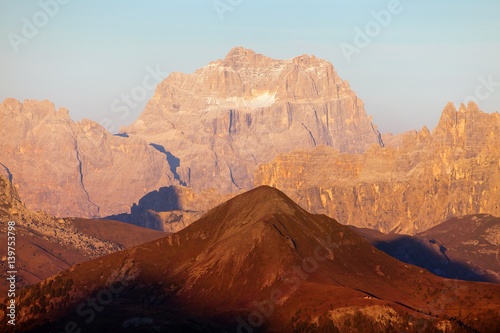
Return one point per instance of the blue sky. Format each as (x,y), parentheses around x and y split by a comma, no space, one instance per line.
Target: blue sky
(87,54)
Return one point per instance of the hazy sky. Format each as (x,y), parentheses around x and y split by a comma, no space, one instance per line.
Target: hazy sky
(406,62)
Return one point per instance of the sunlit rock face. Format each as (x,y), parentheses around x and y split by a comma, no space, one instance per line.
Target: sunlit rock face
(69,168)
(207,131)
(226,118)
(409,187)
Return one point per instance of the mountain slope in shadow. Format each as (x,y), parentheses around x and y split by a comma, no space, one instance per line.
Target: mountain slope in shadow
(465,248)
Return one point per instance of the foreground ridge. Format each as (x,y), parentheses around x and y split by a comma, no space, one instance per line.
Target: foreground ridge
(259,255)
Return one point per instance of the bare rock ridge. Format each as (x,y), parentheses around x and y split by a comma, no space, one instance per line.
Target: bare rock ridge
(259,250)
(74,169)
(426,178)
(226,118)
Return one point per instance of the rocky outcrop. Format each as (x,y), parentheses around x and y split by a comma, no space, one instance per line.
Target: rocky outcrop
(10,202)
(226,118)
(425,178)
(45,245)
(50,228)
(71,168)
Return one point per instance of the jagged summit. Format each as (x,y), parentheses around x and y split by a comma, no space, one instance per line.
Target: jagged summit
(467,127)
(450,117)
(238,52)
(451,171)
(241,55)
(34,109)
(244,74)
(211,130)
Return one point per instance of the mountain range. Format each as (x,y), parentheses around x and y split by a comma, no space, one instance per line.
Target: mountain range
(244,121)
(409,186)
(241,111)
(257,263)
(258,196)
(228,117)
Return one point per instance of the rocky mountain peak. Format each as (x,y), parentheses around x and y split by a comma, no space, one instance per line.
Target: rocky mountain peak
(451,117)
(240,111)
(469,127)
(238,56)
(38,110)
(448,116)
(245,79)
(12,104)
(451,171)
(208,130)
(470,108)
(462,108)
(424,135)
(424,131)
(265,200)
(239,52)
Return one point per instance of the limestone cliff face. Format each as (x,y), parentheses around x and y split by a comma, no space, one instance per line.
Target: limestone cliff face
(74,169)
(226,118)
(409,187)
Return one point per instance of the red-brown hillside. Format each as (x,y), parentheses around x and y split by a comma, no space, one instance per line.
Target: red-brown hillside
(256,262)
